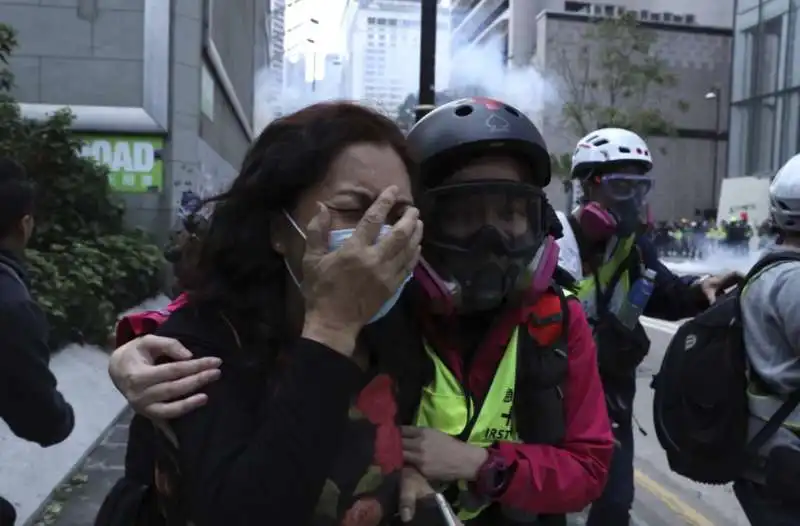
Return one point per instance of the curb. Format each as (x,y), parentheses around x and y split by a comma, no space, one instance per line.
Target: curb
(36,514)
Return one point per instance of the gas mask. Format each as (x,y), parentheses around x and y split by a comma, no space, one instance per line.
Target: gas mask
(624,215)
(484,242)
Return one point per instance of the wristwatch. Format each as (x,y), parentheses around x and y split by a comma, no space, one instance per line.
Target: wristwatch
(492,475)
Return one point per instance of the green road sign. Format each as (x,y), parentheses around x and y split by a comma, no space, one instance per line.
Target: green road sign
(133,166)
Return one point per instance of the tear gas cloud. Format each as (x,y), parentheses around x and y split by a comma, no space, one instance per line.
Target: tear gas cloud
(722,260)
(469,70)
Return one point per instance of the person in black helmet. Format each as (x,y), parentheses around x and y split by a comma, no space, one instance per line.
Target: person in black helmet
(516,375)
(510,423)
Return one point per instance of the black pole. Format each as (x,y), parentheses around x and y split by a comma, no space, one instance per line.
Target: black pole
(314,76)
(717,116)
(427,58)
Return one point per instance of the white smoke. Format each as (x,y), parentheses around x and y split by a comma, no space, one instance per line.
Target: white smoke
(484,67)
(470,70)
(721,261)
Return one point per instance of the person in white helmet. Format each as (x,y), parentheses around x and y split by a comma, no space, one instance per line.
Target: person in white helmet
(619,278)
(771,320)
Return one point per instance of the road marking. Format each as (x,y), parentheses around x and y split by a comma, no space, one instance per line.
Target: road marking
(672,501)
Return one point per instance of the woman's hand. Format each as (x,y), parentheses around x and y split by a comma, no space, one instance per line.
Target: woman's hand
(440,457)
(343,289)
(161,391)
(413,487)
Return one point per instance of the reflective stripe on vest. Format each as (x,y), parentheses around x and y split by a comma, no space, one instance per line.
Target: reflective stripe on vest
(586,287)
(445,406)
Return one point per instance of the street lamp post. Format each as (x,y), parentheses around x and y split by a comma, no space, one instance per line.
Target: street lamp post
(715,95)
(313,58)
(313,66)
(426,100)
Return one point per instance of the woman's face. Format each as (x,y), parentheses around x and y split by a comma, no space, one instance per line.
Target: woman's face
(353,182)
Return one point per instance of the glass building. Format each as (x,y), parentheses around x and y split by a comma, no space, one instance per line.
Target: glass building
(765,86)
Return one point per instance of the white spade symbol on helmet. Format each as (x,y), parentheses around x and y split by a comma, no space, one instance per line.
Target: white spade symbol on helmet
(496,124)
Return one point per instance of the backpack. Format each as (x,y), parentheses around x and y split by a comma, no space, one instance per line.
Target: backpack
(700,408)
(135,325)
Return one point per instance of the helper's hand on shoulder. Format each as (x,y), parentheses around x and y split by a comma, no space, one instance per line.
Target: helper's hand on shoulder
(162,391)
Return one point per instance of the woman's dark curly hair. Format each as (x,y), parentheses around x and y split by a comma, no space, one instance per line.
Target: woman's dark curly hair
(237,270)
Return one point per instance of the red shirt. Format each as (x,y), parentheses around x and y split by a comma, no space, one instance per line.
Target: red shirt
(548,479)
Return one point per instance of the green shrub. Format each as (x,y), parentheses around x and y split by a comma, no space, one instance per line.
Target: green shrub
(85,265)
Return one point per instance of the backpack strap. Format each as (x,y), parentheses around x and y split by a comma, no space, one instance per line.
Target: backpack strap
(542,368)
(773,424)
(769,260)
(548,321)
(791,403)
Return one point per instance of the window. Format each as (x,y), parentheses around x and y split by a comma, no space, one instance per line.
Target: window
(739,137)
(790,141)
(576,7)
(743,62)
(690,19)
(769,52)
(746,5)
(761,141)
(793,47)
(207,87)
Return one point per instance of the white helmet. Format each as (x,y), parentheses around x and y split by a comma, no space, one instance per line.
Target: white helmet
(784,196)
(609,145)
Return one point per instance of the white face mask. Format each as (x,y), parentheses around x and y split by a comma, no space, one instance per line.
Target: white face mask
(335,241)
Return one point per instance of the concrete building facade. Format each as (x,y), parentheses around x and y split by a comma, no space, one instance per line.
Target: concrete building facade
(475,21)
(765,79)
(270,80)
(168,78)
(699,57)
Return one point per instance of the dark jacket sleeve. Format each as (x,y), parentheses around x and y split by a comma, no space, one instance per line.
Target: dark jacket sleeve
(241,464)
(674,297)
(29,401)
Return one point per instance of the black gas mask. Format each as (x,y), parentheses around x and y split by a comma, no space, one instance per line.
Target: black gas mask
(483,239)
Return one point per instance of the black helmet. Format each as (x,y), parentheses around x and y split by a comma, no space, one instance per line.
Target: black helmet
(460,130)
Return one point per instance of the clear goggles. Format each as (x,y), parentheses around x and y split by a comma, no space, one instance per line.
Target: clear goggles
(622,187)
(457,212)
